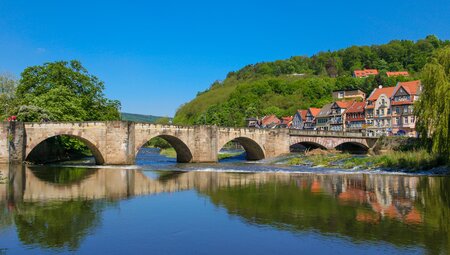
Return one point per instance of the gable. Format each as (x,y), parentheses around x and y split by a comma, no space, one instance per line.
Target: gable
(401,92)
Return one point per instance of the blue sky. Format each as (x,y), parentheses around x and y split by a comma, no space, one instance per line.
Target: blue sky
(155,55)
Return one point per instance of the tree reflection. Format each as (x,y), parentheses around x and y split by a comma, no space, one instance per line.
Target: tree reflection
(62,175)
(57,225)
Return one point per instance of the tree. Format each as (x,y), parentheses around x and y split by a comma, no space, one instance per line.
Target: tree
(8,86)
(163,121)
(433,107)
(29,113)
(63,91)
(67,92)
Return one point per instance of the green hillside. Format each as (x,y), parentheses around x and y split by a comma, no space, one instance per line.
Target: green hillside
(139,117)
(282,86)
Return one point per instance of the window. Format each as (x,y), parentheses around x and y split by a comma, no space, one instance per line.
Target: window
(405,109)
(397,120)
(405,120)
(413,119)
(388,111)
(340,94)
(397,110)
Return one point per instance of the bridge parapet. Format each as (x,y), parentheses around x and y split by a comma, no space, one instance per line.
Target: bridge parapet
(323,133)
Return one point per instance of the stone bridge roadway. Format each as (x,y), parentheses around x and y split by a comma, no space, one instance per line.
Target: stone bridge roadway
(118,142)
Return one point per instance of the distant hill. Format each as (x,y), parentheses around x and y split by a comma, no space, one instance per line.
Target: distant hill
(283,86)
(139,117)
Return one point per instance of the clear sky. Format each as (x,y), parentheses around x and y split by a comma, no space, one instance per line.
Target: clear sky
(155,55)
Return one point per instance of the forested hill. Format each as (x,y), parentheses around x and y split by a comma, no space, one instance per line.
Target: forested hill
(283,86)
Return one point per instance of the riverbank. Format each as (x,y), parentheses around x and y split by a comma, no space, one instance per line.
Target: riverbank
(409,161)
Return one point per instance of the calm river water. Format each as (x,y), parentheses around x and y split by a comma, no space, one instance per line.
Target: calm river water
(162,207)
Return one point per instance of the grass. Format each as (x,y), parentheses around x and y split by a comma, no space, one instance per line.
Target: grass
(169,152)
(228,155)
(408,160)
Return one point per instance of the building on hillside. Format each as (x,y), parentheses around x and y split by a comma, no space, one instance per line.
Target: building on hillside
(286,122)
(323,118)
(270,121)
(252,122)
(402,107)
(401,73)
(299,119)
(378,111)
(355,117)
(354,94)
(364,73)
(337,116)
(310,122)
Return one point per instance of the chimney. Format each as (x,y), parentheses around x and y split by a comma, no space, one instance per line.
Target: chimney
(380,86)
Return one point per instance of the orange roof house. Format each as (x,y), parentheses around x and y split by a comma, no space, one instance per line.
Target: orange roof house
(357,107)
(401,73)
(302,114)
(412,87)
(344,104)
(270,121)
(376,93)
(286,121)
(299,119)
(364,73)
(314,111)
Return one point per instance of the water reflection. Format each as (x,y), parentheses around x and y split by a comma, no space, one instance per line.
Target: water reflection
(58,208)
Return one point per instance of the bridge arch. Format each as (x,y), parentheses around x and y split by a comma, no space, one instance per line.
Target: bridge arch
(305,145)
(253,150)
(353,147)
(308,142)
(184,154)
(32,146)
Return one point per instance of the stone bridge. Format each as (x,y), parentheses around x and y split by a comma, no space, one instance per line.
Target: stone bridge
(118,142)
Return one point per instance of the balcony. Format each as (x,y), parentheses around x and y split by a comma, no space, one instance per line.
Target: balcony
(335,121)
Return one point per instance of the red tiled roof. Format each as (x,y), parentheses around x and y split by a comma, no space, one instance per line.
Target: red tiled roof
(314,111)
(371,71)
(270,119)
(356,107)
(377,92)
(401,73)
(365,72)
(287,119)
(412,87)
(344,104)
(302,114)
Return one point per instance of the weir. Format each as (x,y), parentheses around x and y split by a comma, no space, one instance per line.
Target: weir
(118,142)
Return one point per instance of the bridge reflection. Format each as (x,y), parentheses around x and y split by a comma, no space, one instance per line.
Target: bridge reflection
(397,209)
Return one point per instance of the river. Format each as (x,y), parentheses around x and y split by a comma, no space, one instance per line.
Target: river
(161,207)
